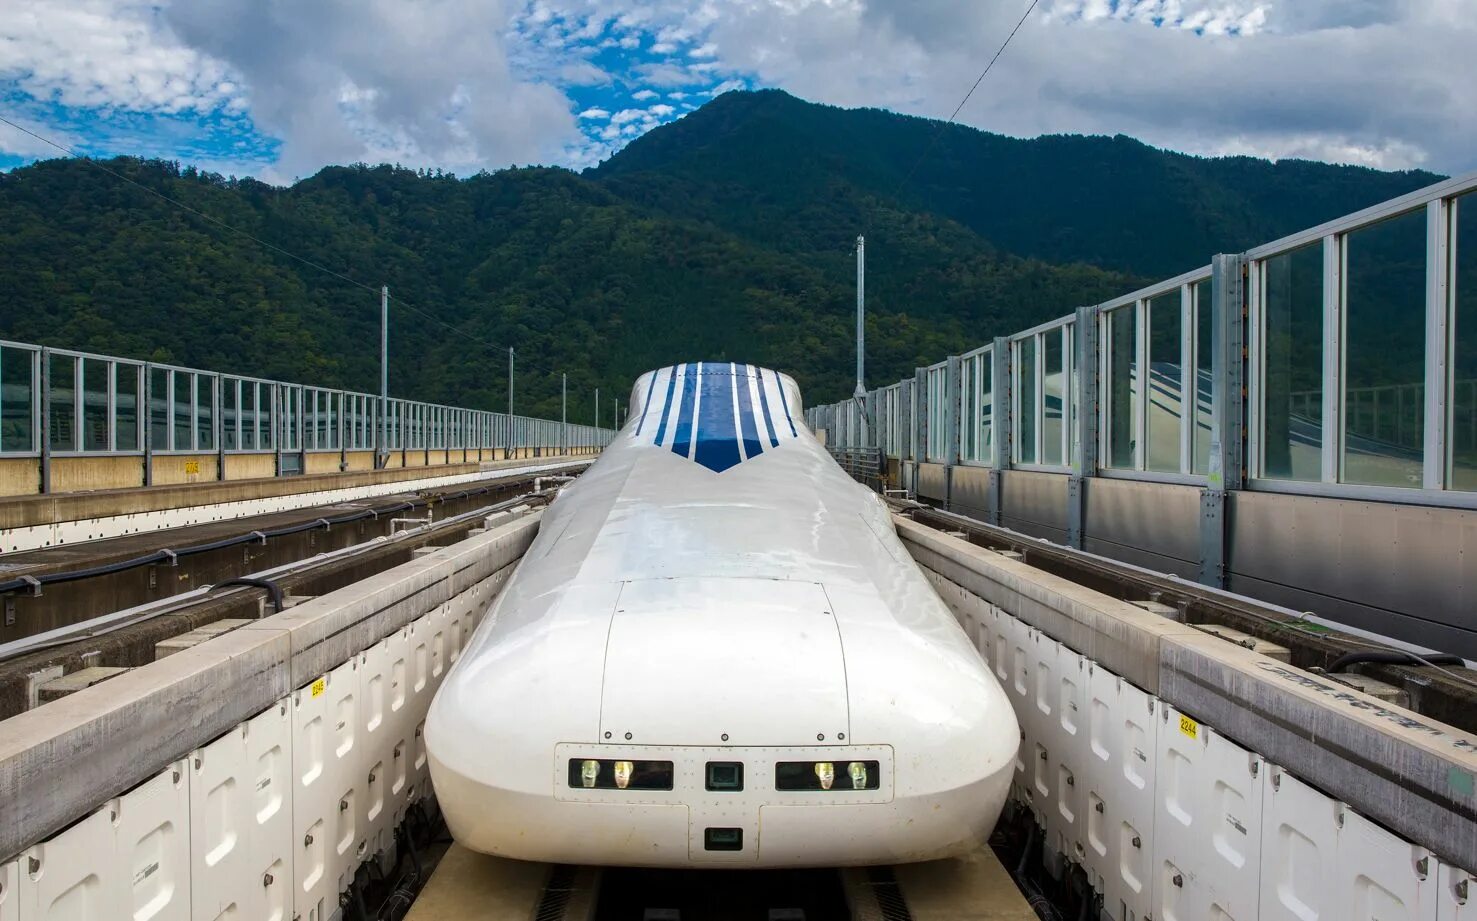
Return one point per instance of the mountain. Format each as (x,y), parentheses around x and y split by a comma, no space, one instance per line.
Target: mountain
(726,235)
(765,164)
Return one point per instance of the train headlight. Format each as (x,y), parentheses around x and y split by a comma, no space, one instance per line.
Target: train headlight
(820,776)
(600,774)
(825,772)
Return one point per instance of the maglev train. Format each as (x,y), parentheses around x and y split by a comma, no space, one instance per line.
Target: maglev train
(717,653)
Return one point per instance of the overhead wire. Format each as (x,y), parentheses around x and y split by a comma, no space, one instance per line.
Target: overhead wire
(399,301)
(944,125)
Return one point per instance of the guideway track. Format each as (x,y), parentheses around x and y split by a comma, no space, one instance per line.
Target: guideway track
(1446,693)
(131,638)
(50,589)
(475,887)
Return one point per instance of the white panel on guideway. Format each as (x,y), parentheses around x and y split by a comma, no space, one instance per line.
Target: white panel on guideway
(1123,733)
(1207,825)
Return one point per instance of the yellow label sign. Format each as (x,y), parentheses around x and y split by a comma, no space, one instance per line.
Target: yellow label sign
(1189,727)
(192,466)
(321,685)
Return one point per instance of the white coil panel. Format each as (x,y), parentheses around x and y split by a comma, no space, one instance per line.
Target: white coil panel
(376,807)
(10,874)
(312,787)
(153,833)
(1379,877)
(221,819)
(1123,733)
(1300,829)
(1207,825)
(1456,894)
(269,748)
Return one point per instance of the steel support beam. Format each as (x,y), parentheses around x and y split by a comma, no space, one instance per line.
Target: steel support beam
(1000,395)
(1084,433)
(1228,414)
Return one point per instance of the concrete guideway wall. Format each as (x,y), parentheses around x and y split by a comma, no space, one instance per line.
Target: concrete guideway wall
(1192,778)
(69,519)
(250,775)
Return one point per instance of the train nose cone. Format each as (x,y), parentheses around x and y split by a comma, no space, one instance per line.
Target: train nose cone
(710,661)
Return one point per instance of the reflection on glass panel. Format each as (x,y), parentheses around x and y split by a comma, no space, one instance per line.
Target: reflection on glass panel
(125,408)
(1463,435)
(987,406)
(159,409)
(230,415)
(1166,382)
(1385,351)
(266,417)
(1025,441)
(184,420)
(1053,386)
(248,415)
(205,412)
(1122,386)
(1292,401)
(17,418)
(63,418)
(1204,376)
(95,374)
(968,421)
(292,410)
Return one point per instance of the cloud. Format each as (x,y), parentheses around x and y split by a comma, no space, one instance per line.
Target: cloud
(343,80)
(468,84)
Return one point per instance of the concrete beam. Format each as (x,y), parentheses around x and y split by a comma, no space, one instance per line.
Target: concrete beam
(60,761)
(1120,636)
(1415,775)
(1410,773)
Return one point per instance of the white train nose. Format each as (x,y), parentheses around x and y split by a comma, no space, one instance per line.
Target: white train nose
(710,661)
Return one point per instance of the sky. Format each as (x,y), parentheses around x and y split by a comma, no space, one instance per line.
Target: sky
(277,89)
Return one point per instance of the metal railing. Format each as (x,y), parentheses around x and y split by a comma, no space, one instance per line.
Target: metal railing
(60,403)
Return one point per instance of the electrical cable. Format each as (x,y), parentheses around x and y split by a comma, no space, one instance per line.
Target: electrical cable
(960,107)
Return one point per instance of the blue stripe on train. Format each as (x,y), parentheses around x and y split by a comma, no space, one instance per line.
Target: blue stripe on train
(786,402)
(774,441)
(717,436)
(682,439)
(752,445)
(661,430)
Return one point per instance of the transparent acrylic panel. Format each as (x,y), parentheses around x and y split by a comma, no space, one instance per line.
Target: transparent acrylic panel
(1385,353)
(63,413)
(95,374)
(125,405)
(1463,434)
(987,407)
(17,393)
(1203,387)
(184,389)
(1292,391)
(230,414)
(248,415)
(1025,441)
(266,417)
(1054,395)
(1122,386)
(159,409)
(205,412)
(968,421)
(1166,383)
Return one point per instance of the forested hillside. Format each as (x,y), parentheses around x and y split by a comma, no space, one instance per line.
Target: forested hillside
(726,235)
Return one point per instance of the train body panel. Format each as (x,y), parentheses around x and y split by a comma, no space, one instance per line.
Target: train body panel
(714,589)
